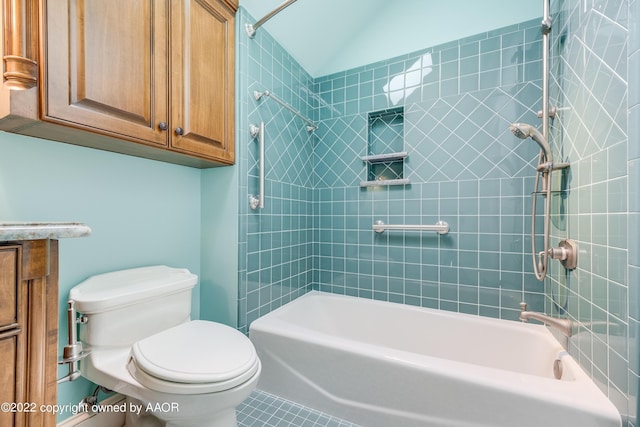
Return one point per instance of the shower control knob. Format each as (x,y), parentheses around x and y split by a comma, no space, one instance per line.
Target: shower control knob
(566,253)
(179,131)
(163,126)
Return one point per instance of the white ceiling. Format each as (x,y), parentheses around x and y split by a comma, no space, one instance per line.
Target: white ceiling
(326,36)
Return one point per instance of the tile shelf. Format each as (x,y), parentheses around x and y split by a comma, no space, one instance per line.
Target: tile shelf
(384,158)
(385,182)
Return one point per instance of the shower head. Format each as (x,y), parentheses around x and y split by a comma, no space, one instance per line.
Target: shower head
(524,131)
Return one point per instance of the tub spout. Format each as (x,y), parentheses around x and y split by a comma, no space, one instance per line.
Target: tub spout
(562,325)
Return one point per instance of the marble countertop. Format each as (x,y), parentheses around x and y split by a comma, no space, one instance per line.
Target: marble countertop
(41,230)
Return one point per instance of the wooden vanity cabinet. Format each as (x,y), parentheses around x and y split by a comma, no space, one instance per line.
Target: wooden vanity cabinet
(151,78)
(28,331)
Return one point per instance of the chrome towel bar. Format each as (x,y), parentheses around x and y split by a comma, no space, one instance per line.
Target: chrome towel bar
(441,227)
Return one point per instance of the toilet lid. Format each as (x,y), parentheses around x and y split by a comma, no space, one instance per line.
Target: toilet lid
(208,355)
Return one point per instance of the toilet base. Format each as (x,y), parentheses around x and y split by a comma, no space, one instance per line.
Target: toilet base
(225,418)
(108,367)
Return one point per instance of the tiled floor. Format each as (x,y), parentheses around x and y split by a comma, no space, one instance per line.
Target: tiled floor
(262,409)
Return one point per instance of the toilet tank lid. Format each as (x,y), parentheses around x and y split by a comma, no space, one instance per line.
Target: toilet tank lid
(125,287)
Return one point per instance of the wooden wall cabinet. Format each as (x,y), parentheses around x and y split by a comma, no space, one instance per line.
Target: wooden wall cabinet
(28,331)
(151,78)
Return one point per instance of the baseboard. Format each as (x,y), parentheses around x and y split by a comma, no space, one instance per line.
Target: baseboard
(98,419)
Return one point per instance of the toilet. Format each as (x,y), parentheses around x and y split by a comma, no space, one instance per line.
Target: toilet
(173,371)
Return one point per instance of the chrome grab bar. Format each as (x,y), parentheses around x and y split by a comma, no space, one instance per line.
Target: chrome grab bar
(441,227)
(256,202)
(310,125)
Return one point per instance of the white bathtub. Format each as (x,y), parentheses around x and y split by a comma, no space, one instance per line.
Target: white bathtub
(384,364)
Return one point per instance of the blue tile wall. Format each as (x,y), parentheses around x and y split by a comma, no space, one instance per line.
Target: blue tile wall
(464,165)
(465,168)
(594,84)
(275,243)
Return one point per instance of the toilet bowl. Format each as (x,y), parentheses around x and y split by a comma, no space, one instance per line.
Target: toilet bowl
(174,372)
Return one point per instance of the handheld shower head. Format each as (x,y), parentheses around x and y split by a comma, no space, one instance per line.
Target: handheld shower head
(524,131)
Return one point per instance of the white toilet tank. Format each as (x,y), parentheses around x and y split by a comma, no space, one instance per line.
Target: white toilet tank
(125,306)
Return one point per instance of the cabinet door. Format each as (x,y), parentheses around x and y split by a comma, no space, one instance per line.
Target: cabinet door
(106,67)
(9,375)
(202,78)
(8,287)
(12,336)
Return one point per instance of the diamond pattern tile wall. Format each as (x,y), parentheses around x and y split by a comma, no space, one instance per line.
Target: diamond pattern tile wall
(464,167)
(457,137)
(591,87)
(467,137)
(275,243)
(288,147)
(337,155)
(316,230)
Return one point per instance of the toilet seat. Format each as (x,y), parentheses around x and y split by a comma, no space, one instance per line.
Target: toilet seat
(196,357)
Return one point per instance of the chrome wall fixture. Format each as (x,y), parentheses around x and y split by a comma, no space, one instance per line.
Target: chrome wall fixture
(256,202)
(567,251)
(310,125)
(441,227)
(73,352)
(251,28)
(546,47)
(563,325)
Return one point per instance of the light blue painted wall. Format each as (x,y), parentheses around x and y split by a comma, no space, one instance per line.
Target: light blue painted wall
(219,245)
(402,27)
(141,212)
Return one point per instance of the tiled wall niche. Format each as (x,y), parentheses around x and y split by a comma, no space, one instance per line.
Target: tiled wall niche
(385,148)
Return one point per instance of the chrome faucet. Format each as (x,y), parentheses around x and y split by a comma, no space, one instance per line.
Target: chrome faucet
(562,325)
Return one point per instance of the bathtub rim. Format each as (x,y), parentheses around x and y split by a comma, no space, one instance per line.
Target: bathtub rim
(580,392)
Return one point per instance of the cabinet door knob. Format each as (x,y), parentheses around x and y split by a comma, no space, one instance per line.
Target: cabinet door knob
(163,126)
(179,131)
